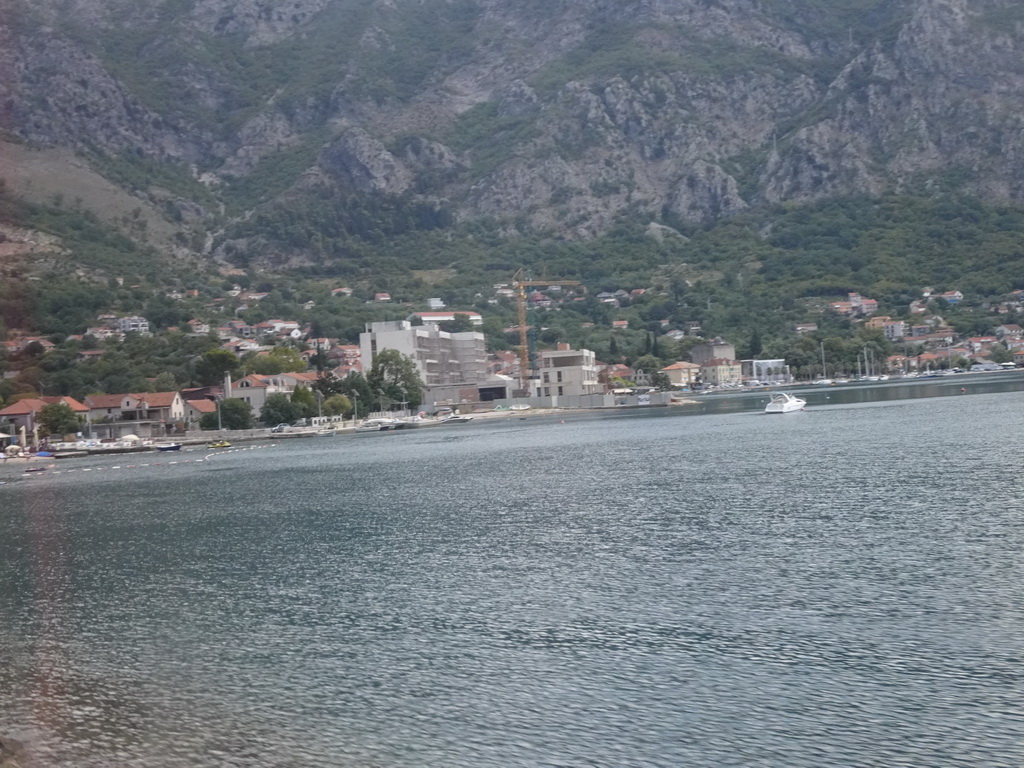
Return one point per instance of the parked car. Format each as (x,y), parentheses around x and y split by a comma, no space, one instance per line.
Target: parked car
(280,428)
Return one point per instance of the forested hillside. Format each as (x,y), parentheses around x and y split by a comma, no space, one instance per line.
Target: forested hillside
(753,154)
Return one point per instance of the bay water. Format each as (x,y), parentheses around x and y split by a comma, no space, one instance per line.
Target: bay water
(837,587)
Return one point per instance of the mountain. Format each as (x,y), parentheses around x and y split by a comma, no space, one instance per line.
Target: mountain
(257,132)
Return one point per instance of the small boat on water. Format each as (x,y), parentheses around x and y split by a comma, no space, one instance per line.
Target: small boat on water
(783,402)
(168,446)
(219,444)
(456,418)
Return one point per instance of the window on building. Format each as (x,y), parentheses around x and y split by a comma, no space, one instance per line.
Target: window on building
(559,379)
(560,390)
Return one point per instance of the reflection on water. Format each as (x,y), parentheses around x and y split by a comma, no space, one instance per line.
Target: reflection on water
(834,587)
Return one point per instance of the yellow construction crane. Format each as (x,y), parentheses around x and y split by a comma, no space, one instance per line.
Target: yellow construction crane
(520,284)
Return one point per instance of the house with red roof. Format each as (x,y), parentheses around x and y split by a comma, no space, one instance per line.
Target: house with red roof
(196,409)
(300,378)
(842,307)
(24,413)
(146,414)
(981,343)
(255,388)
(682,373)
(505,362)
(617,371)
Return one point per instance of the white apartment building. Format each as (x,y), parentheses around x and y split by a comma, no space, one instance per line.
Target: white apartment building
(255,388)
(133,324)
(441,358)
(566,372)
(894,329)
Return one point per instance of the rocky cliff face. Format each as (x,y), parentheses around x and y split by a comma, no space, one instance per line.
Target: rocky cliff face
(550,115)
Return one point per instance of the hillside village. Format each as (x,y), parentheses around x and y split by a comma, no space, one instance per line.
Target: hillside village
(458,364)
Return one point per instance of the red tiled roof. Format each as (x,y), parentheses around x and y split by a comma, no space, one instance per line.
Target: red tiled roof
(75,406)
(23,407)
(303,375)
(104,401)
(157,399)
(34,404)
(203,406)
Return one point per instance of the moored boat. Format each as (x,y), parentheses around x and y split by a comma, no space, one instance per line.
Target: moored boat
(456,418)
(378,425)
(168,446)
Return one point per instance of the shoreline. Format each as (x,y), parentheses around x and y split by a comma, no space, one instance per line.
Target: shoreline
(263,433)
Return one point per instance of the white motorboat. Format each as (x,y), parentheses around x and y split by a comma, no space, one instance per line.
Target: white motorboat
(783,402)
(378,425)
(456,418)
(411,423)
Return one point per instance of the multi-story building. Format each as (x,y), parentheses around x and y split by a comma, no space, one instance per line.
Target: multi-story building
(894,329)
(720,370)
(441,358)
(714,349)
(133,324)
(566,372)
(682,374)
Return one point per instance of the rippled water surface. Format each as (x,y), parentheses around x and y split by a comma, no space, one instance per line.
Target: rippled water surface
(838,587)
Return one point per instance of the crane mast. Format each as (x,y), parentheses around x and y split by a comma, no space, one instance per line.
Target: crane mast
(520,284)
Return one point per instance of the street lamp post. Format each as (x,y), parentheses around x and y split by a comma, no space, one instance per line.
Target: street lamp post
(355,408)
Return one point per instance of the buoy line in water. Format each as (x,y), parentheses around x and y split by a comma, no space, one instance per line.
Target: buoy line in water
(48,469)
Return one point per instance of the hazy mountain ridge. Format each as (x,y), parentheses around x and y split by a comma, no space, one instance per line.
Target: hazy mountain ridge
(557,116)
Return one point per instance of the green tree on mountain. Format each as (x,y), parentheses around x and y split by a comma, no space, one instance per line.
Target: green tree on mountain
(277,360)
(213,364)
